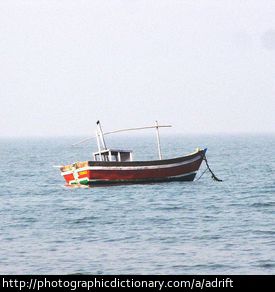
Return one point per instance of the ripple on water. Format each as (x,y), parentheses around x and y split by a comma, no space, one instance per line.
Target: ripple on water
(201,227)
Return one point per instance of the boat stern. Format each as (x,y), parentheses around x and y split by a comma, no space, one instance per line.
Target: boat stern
(76,173)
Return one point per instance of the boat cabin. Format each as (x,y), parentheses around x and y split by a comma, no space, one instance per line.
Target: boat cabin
(113,155)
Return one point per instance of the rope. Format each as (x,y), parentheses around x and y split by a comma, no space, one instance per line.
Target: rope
(208,167)
(202,174)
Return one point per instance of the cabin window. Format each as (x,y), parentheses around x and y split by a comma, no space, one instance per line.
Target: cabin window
(115,156)
(125,156)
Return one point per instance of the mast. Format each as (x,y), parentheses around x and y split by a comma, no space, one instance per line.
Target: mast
(101,135)
(98,145)
(158,140)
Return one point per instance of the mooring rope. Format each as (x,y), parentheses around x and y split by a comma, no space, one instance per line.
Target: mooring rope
(202,174)
(208,167)
(210,170)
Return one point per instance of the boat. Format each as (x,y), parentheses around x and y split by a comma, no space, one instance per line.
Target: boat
(117,166)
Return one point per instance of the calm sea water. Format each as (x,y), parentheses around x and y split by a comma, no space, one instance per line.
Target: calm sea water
(201,227)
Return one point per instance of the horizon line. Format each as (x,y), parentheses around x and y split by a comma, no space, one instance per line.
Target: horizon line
(244,133)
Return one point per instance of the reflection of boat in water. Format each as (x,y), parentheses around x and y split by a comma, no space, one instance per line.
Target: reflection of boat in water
(112,166)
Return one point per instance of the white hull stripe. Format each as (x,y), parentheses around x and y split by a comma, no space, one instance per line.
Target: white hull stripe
(132,167)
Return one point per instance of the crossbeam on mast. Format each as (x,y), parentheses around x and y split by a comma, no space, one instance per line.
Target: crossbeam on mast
(135,129)
(123,130)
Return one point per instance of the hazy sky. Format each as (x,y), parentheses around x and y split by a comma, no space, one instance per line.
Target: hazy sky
(205,66)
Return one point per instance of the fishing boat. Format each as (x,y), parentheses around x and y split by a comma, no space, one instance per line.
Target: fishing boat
(117,166)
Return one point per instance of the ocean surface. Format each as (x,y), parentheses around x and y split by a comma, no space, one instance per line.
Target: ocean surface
(200,227)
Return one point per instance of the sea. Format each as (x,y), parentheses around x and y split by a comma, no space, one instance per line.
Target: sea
(200,227)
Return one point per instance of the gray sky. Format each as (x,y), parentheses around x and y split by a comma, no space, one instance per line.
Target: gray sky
(205,66)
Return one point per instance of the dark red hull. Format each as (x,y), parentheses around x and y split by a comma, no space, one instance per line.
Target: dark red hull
(99,172)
